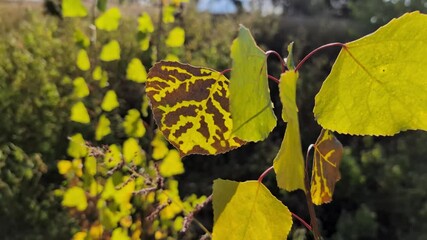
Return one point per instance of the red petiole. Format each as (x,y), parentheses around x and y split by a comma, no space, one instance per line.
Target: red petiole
(316,50)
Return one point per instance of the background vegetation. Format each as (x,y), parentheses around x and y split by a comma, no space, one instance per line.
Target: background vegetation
(381,194)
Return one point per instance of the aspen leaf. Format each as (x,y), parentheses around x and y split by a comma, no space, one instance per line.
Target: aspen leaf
(109,102)
(90,165)
(79,236)
(83,62)
(100,75)
(136,71)
(81,89)
(176,37)
(247,210)
(171,57)
(120,234)
(110,51)
(168,14)
(81,39)
(112,156)
(75,197)
(250,105)
(123,195)
(171,164)
(109,20)
(145,25)
(77,147)
(327,157)
(377,85)
(190,106)
(144,43)
(64,166)
(133,124)
(96,230)
(289,162)
(132,152)
(79,113)
(73,8)
(160,147)
(103,128)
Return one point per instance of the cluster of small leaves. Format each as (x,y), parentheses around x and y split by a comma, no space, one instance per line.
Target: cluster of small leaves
(118,191)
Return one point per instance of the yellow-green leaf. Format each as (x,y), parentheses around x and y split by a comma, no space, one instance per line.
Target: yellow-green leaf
(249,211)
(289,162)
(77,147)
(190,106)
(171,164)
(250,104)
(136,71)
(81,89)
(103,128)
(144,43)
(83,62)
(112,156)
(168,14)
(75,197)
(100,75)
(110,101)
(171,57)
(90,165)
(109,20)
(110,51)
(132,152)
(73,8)
(160,147)
(327,157)
(133,125)
(120,234)
(176,37)
(64,166)
(81,39)
(145,24)
(144,106)
(377,85)
(79,113)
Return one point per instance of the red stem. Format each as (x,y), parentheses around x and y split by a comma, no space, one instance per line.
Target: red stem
(261,177)
(302,221)
(282,62)
(225,71)
(316,50)
(274,79)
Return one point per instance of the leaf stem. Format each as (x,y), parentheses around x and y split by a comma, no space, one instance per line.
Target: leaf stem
(302,221)
(261,177)
(274,79)
(282,62)
(316,50)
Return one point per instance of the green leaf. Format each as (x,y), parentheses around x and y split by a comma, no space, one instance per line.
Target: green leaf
(109,20)
(73,8)
(176,37)
(77,147)
(110,101)
(132,152)
(83,62)
(133,125)
(81,89)
(377,85)
(145,25)
(250,105)
(79,113)
(75,197)
(103,128)
(289,162)
(81,39)
(171,164)
(110,51)
(248,211)
(190,106)
(101,5)
(136,71)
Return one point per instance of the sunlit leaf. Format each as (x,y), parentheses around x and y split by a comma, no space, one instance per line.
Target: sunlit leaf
(178,223)
(171,164)
(75,197)
(109,20)
(120,234)
(327,157)
(77,147)
(176,37)
(100,75)
(133,125)
(96,231)
(112,156)
(79,236)
(83,62)
(73,8)
(170,197)
(79,113)
(289,162)
(95,188)
(77,166)
(190,106)
(136,71)
(90,165)
(81,89)
(160,147)
(248,210)
(126,222)
(103,128)
(145,24)
(250,105)
(110,101)
(64,166)
(168,14)
(110,51)
(123,195)
(377,85)
(132,152)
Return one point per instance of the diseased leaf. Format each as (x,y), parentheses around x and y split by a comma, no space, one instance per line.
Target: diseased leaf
(73,8)
(83,62)
(112,156)
(109,20)
(103,128)
(109,102)
(289,162)
(75,197)
(110,51)
(79,113)
(133,125)
(377,85)
(81,89)
(145,25)
(190,106)
(176,37)
(77,147)
(171,164)
(327,157)
(136,71)
(248,210)
(250,105)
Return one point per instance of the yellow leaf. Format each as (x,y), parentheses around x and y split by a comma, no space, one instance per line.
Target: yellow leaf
(144,106)
(168,14)
(177,223)
(78,167)
(132,152)
(160,147)
(126,221)
(77,147)
(79,113)
(136,71)
(83,62)
(109,20)
(103,128)
(73,8)
(110,101)
(101,76)
(81,89)
(64,166)
(110,51)
(81,39)
(122,196)
(80,236)
(120,234)
(90,165)
(95,188)
(171,164)
(96,231)
(112,156)
(133,124)
(176,37)
(75,197)
(145,24)
(144,43)
(171,57)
